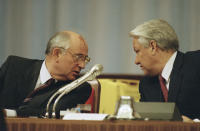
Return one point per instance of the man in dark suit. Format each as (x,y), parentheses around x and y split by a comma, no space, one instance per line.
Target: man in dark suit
(170,75)
(66,55)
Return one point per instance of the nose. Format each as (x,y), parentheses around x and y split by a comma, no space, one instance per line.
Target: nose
(136,60)
(81,64)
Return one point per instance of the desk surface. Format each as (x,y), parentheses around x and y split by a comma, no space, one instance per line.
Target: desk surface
(36,124)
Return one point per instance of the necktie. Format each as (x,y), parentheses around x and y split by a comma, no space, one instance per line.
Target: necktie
(43,87)
(163,88)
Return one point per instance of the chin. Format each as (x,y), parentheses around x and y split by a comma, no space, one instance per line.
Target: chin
(66,78)
(72,77)
(146,73)
(150,74)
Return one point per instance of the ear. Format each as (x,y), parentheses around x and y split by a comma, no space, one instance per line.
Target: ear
(56,52)
(153,47)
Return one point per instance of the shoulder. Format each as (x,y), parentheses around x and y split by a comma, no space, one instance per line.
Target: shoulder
(192,57)
(192,54)
(17,60)
(187,59)
(188,64)
(19,63)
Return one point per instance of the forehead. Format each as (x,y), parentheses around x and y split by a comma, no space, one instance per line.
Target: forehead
(136,43)
(78,45)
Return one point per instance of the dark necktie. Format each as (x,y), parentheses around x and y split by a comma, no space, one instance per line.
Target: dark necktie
(163,88)
(47,85)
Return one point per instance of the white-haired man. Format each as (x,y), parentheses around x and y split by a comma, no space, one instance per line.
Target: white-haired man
(170,75)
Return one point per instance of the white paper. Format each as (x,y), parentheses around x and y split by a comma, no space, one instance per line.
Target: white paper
(84,116)
(10,113)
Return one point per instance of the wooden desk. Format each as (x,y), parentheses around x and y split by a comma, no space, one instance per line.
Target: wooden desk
(36,124)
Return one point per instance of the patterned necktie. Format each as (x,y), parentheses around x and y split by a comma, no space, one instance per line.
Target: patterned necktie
(47,85)
(163,88)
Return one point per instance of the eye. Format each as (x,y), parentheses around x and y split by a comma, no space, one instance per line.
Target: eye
(78,56)
(136,51)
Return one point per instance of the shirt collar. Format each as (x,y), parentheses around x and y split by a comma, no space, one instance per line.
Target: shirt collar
(168,67)
(44,73)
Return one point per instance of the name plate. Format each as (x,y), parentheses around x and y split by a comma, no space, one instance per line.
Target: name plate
(84,116)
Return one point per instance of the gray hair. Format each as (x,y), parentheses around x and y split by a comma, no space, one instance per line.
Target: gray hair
(60,40)
(158,30)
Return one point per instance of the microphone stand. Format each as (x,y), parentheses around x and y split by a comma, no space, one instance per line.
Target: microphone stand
(86,77)
(60,96)
(72,84)
(95,71)
(48,104)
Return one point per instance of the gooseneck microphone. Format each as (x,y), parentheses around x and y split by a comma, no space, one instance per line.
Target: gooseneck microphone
(92,74)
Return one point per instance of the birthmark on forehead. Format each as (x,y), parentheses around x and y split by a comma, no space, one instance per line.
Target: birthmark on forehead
(81,39)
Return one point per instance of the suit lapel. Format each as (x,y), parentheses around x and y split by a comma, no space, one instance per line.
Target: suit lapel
(30,77)
(175,77)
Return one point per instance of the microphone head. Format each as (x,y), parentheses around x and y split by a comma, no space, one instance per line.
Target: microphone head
(96,69)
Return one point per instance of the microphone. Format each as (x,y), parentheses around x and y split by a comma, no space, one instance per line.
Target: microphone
(94,71)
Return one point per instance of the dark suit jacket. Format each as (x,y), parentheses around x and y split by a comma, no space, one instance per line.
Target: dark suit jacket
(2,121)
(18,77)
(184,88)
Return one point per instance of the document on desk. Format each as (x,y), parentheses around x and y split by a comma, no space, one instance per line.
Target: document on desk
(84,116)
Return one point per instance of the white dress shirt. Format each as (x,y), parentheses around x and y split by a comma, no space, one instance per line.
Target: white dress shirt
(168,69)
(43,76)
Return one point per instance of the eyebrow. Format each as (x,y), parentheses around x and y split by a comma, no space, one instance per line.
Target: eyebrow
(81,54)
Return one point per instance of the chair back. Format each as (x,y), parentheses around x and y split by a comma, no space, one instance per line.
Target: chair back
(114,86)
(94,99)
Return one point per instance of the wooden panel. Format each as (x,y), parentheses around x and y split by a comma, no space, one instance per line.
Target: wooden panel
(36,124)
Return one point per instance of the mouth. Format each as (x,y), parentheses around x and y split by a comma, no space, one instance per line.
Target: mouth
(76,73)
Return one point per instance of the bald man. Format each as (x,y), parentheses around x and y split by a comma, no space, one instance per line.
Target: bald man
(66,55)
